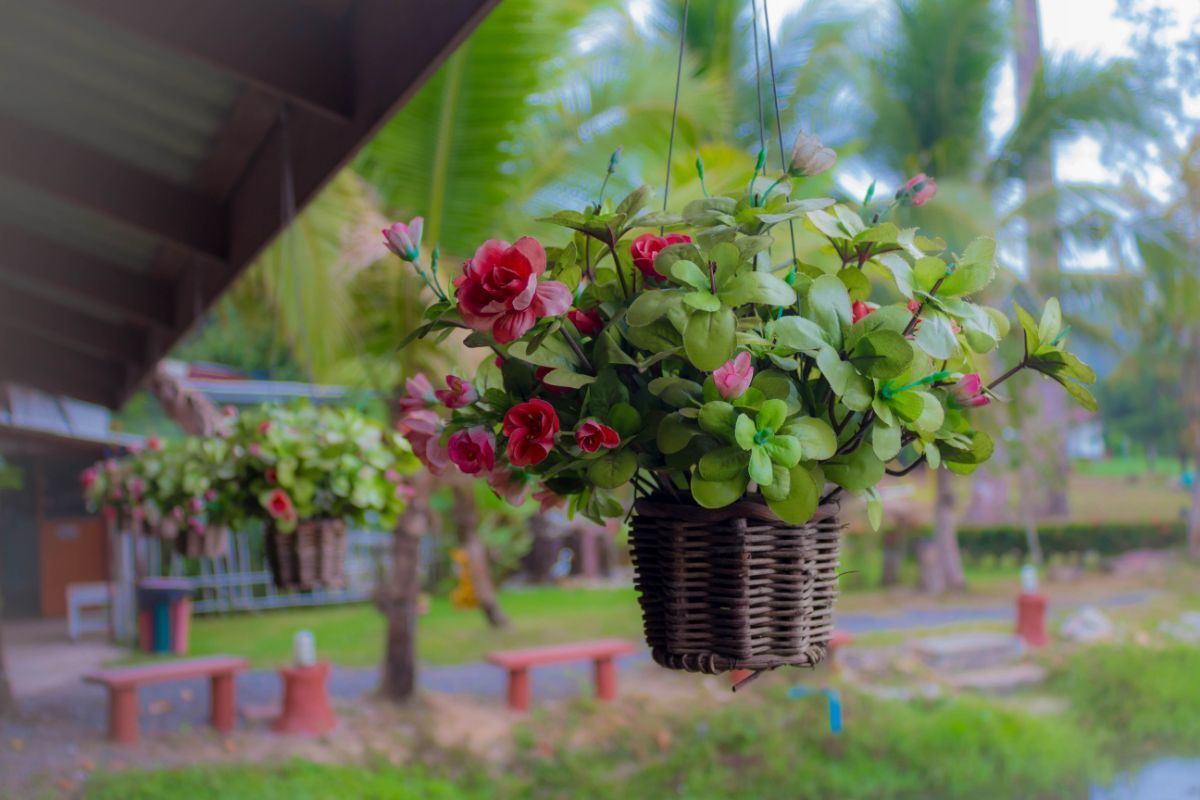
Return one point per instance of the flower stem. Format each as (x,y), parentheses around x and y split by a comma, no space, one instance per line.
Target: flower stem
(576,349)
(612,251)
(1019,366)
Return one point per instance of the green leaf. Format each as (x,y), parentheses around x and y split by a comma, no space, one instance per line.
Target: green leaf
(653,305)
(744,431)
(801,502)
(828,304)
(927,271)
(624,419)
(799,333)
(674,433)
(780,386)
(933,455)
(874,508)
(882,354)
(851,222)
(553,353)
(676,391)
(885,441)
(1051,323)
(783,450)
(901,272)
(974,270)
(827,224)
(703,300)
(780,486)
(771,416)
(761,288)
(883,233)
(635,201)
(723,464)
(718,418)
(760,466)
(935,336)
(606,392)
(856,471)
(709,338)
(718,494)
(567,379)
(613,470)
(1081,395)
(857,284)
(1029,326)
(817,439)
(690,274)
(932,414)
(657,337)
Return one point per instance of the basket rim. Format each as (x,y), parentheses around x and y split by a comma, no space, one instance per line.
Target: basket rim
(751,506)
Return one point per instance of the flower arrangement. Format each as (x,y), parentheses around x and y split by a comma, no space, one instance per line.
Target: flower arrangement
(701,362)
(308,462)
(275,463)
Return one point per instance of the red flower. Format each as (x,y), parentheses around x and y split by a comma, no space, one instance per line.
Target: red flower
(499,289)
(460,394)
(859,309)
(473,450)
(154,443)
(88,478)
(646,248)
(530,428)
(588,323)
(540,373)
(271,475)
(592,435)
(264,427)
(279,505)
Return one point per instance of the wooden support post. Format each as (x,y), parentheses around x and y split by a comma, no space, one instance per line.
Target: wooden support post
(222,696)
(518,689)
(123,715)
(606,679)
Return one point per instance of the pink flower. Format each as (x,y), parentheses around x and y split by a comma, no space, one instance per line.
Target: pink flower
(229,411)
(541,372)
(499,289)
(405,492)
(111,466)
(419,393)
(859,309)
(254,449)
(177,513)
(968,392)
(588,323)
(423,430)
(88,478)
(196,524)
(137,487)
(279,505)
(914,305)
(733,377)
(473,450)
(110,513)
(196,504)
(548,500)
(405,240)
(646,248)
(509,486)
(264,427)
(592,435)
(210,496)
(530,427)
(917,191)
(392,475)
(138,513)
(154,443)
(460,394)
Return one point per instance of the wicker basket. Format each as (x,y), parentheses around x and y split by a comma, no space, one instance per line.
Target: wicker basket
(313,556)
(213,542)
(734,588)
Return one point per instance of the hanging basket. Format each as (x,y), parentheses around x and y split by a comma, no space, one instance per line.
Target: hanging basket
(736,587)
(212,542)
(313,556)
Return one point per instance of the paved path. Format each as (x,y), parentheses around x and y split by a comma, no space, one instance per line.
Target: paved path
(167,706)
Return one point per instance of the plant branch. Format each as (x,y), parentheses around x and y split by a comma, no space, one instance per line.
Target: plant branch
(912,323)
(576,349)
(612,251)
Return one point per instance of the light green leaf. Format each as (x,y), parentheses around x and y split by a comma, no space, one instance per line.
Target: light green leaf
(850,221)
(828,304)
(827,224)
(799,333)
(817,439)
(761,288)
(760,466)
(703,300)
(567,379)
(652,305)
(718,494)
(723,464)
(935,336)
(674,433)
(974,270)
(874,508)
(783,450)
(932,414)
(624,419)
(709,338)
(689,273)
(928,271)
(856,471)
(802,498)
(613,470)
(771,415)
(744,431)
(1051,322)
(718,418)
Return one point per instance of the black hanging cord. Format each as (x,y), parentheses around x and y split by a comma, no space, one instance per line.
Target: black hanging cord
(762,135)
(675,107)
(783,159)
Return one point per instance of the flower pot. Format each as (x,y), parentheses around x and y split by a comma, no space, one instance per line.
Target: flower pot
(736,587)
(313,556)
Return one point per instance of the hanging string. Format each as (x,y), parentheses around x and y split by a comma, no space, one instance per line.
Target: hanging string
(762,135)
(783,161)
(287,205)
(675,108)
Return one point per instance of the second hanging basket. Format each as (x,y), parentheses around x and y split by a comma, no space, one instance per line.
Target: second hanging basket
(736,587)
(313,556)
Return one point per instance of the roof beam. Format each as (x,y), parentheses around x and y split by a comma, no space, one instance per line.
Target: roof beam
(53,368)
(88,179)
(57,323)
(282,46)
(32,260)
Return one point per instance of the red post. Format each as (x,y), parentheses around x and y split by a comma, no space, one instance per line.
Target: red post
(145,630)
(518,689)
(181,618)
(305,701)
(222,698)
(606,679)
(123,715)
(1031,618)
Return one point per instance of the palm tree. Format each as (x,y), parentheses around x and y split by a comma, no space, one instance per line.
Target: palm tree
(924,103)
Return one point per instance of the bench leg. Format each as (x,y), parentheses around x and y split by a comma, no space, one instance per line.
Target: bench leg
(518,689)
(606,679)
(123,715)
(222,698)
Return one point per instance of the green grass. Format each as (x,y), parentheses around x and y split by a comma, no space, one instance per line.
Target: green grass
(353,635)
(1126,466)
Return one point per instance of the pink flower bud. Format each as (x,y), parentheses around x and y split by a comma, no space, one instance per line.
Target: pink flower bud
(968,392)
(405,240)
(917,191)
(733,377)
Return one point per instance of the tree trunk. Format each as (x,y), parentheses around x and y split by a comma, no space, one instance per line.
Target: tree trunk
(543,551)
(398,602)
(893,557)
(466,524)
(192,411)
(1044,432)
(946,533)
(8,701)
(1191,391)
(933,576)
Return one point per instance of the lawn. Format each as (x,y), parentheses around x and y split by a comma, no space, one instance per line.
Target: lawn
(353,635)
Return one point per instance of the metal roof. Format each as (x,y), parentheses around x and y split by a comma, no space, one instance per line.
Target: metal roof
(141,157)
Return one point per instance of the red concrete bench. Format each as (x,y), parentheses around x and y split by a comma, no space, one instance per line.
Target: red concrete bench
(123,683)
(601,653)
